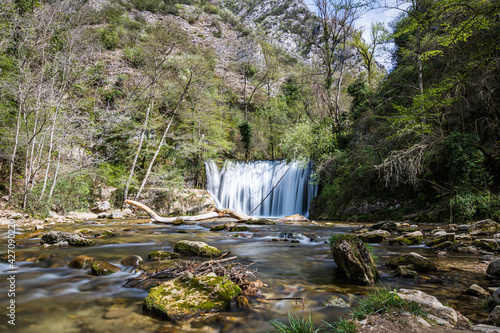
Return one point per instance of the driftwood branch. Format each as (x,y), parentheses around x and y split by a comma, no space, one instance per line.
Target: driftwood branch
(157,218)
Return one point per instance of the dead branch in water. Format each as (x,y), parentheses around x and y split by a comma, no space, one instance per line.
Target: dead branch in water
(213,215)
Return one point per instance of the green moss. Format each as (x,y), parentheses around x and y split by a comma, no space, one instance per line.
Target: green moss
(218,228)
(162,255)
(197,249)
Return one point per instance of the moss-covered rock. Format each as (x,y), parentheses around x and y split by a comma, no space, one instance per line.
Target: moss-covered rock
(484,227)
(104,268)
(186,297)
(487,244)
(411,238)
(260,222)
(442,238)
(352,257)
(238,228)
(61,238)
(162,255)
(443,245)
(199,249)
(81,262)
(179,222)
(218,227)
(420,263)
(407,271)
(375,236)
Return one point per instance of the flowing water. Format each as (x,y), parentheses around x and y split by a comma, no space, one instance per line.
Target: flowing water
(280,188)
(50,297)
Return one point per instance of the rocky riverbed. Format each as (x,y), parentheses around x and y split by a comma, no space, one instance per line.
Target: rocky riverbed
(292,259)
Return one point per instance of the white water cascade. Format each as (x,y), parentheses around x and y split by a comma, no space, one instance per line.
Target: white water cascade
(242,186)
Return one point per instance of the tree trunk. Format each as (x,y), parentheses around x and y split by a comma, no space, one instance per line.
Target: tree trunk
(163,137)
(131,174)
(55,174)
(14,151)
(213,215)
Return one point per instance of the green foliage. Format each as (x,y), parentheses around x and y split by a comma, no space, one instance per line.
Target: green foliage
(109,37)
(295,324)
(135,56)
(246,136)
(342,326)
(383,301)
(467,206)
(26,6)
(465,162)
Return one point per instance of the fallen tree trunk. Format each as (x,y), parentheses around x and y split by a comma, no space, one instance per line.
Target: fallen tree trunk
(157,218)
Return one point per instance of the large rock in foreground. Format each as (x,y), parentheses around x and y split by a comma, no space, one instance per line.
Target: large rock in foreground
(61,238)
(352,257)
(187,296)
(432,305)
(198,249)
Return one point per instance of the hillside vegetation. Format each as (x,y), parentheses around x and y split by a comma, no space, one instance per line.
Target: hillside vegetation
(139,93)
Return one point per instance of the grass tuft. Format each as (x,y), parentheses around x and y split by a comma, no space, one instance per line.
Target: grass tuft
(295,324)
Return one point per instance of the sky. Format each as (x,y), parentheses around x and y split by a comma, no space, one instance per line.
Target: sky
(364,23)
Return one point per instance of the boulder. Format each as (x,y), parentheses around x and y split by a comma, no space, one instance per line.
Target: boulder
(493,270)
(104,268)
(410,238)
(61,238)
(81,262)
(484,227)
(199,249)
(420,263)
(162,255)
(446,237)
(432,305)
(490,245)
(187,296)
(133,261)
(477,291)
(386,225)
(101,206)
(375,236)
(467,249)
(406,271)
(463,227)
(352,257)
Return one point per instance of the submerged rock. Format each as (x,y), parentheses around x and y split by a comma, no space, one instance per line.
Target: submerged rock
(352,257)
(196,249)
(484,227)
(61,238)
(420,263)
(104,268)
(133,261)
(407,271)
(81,262)
(188,296)
(336,301)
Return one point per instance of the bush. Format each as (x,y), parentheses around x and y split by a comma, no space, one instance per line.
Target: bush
(135,56)
(466,207)
(295,325)
(109,38)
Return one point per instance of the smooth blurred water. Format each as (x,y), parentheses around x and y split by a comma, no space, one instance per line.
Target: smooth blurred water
(241,186)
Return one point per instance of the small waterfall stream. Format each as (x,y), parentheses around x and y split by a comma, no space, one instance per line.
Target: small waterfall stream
(241,186)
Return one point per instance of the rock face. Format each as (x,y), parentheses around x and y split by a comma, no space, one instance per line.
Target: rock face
(432,305)
(60,238)
(187,296)
(199,249)
(484,227)
(420,263)
(178,202)
(352,257)
(104,268)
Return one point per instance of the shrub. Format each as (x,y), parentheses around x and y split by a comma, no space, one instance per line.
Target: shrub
(109,38)
(135,56)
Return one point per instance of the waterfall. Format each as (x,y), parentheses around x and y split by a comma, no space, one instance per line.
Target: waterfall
(241,186)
